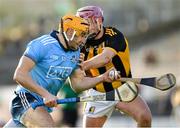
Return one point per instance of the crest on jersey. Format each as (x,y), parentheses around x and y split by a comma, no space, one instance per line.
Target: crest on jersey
(91,109)
(54,57)
(73,59)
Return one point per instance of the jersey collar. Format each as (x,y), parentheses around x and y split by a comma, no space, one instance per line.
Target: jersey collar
(54,35)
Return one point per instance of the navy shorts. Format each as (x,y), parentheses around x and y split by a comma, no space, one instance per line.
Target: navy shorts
(20,104)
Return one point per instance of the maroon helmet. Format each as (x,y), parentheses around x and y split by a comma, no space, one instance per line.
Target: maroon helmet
(90,11)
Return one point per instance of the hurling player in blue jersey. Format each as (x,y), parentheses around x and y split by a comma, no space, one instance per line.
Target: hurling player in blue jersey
(44,67)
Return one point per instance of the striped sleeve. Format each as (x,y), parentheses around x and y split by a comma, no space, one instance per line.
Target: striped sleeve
(34,51)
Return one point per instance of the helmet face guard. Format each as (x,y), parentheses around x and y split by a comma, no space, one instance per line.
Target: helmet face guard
(78,24)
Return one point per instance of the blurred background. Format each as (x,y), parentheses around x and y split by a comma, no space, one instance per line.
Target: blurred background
(152,28)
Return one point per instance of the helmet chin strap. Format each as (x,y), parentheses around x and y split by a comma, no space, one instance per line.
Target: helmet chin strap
(64,36)
(96,34)
(100,28)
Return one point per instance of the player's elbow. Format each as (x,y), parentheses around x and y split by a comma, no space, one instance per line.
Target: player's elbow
(78,85)
(76,88)
(107,60)
(17,76)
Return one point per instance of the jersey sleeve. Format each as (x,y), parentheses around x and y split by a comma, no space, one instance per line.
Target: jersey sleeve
(78,55)
(34,51)
(117,42)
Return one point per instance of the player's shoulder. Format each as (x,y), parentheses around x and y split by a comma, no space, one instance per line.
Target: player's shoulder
(113,32)
(115,39)
(42,41)
(47,39)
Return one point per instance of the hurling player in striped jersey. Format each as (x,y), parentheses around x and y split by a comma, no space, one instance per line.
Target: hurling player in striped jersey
(105,48)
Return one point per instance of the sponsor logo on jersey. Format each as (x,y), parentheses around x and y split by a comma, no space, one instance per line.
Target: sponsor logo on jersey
(59,72)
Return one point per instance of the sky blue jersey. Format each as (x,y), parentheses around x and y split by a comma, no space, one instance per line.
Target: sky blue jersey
(54,64)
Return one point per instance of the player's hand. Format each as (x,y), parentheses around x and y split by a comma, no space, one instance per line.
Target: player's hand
(50,100)
(111,75)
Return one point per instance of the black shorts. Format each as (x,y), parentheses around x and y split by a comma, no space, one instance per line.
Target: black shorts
(20,104)
(70,117)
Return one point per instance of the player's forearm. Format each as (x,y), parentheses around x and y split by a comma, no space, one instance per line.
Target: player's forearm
(100,60)
(95,62)
(86,83)
(26,81)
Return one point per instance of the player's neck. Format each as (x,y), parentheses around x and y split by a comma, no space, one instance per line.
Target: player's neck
(62,40)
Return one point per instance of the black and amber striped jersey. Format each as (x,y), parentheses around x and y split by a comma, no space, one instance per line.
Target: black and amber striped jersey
(115,40)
